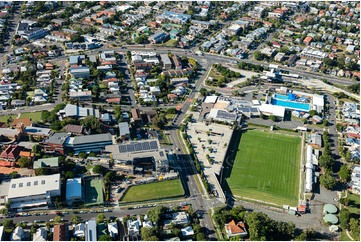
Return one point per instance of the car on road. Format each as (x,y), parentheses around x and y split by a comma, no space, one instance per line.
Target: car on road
(38,221)
(65,213)
(57,212)
(37,214)
(51,220)
(82,212)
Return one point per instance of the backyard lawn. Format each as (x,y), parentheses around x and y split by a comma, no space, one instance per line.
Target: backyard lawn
(5,118)
(154,191)
(34,116)
(266,168)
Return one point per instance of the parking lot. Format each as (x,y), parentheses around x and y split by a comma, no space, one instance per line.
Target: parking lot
(210,143)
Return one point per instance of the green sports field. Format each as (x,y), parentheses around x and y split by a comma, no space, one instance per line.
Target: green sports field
(266,167)
(154,191)
(93,191)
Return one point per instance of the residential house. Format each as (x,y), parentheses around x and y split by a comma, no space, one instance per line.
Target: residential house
(80,72)
(11,153)
(177,62)
(279,57)
(187,231)
(158,37)
(74,129)
(79,230)
(235,229)
(60,232)
(124,131)
(40,235)
(137,119)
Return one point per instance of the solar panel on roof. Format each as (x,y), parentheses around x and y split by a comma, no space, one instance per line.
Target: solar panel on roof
(153,145)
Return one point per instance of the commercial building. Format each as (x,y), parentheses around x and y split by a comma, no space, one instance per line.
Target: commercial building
(74,191)
(91,230)
(88,143)
(141,156)
(37,191)
(50,164)
(55,143)
(74,111)
(222,116)
(167,64)
(34,33)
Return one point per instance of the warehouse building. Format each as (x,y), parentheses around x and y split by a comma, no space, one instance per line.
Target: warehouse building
(31,192)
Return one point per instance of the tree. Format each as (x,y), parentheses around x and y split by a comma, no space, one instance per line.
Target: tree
(344,173)
(92,123)
(105,237)
(345,217)
(201,237)
(77,38)
(328,181)
(308,234)
(69,174)
(57,219)
(45,115)
(8,223)
(313,112)
(100,218)
(55,125)
(155,214)
(41,171)
(355,228)
(24,162)
(325,122)
(98,169)
(75,219)
(273,118)
(148,233)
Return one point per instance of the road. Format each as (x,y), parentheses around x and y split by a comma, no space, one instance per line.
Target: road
(13,23)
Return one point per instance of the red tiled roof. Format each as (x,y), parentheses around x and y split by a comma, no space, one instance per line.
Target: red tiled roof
(235,228)
(308,39)
(24,121)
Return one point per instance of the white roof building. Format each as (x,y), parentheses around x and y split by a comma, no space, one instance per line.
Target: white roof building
(91,230)
(33,191)
(79,230)
(269,109)
(40,235)
(18,234)
(187,231)
(210,99)
(113,229)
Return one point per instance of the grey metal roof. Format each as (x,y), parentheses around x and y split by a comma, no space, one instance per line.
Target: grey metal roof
(86,139)
(124,128)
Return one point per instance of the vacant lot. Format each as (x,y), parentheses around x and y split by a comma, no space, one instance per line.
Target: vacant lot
(266,167)
(154,191)
(93,191)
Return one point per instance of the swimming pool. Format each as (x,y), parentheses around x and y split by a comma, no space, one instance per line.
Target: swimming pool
(292,105)
(282,97)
